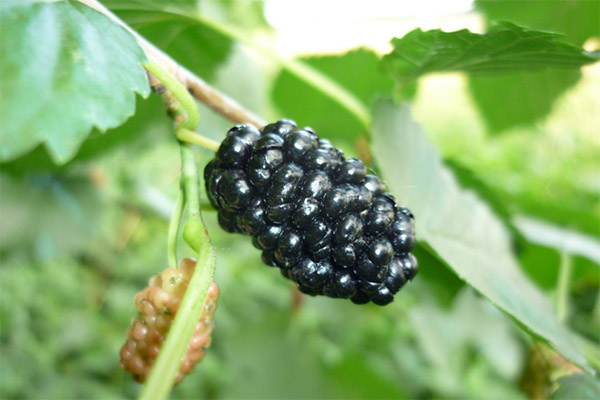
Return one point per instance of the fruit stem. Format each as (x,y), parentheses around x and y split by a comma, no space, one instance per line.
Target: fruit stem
(174,228)
(189,179)
(174,347)
(564,280)
(189,136)
(186,101)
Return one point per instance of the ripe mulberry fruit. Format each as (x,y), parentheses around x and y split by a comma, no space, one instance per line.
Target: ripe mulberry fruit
(321,218)
(157,305)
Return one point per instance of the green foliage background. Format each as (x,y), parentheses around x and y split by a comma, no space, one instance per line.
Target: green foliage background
(78,240)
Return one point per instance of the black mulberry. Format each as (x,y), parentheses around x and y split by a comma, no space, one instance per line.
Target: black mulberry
(318,216)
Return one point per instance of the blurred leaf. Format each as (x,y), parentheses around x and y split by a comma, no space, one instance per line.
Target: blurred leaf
(519,98)
(443,283)
(357,71)
(542,265)
(51,314)
(275,377)
(177,30)
(548,171)
(459,227)
(558,212)
(504,48)
(577,19)
(584,314)
(446,338)
(247,14)
(577,386)
(355,378)
(572,242)
(64,221)
(66,68)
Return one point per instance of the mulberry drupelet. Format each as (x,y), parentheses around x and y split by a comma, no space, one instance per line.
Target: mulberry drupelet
(318,216)
(157,305)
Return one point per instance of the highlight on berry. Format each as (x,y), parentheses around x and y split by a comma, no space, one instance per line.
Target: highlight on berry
(321,218)
(157,305)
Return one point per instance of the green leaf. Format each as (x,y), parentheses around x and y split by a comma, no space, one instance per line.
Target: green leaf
(355,377)
(570,241)
(442,281)
(469,179)
(447,337)
(505,48)
(526,97)
(578,20)
(525,168)
(460,228)
(577,386)
(65,69)
(246,14)
(144,129)
(357,71)
(271,381)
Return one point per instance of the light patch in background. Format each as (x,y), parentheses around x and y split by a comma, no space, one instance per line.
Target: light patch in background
(330,26)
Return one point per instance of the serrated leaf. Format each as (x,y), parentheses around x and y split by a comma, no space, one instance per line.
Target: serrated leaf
(505,48)
(578,20)
(460,228)
(135,133)
(66,68)
(528,97)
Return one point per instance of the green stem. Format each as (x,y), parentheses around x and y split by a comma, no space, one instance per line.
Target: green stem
(179,92)
(163,373)
(564,282)
(189,136)
(190,180)
(174,229)
(168,363)
(193,230)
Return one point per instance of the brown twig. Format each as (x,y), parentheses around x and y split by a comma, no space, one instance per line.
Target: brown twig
(198,88)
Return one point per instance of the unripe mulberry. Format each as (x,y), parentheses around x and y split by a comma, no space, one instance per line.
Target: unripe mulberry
(321,218)
(157,306)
